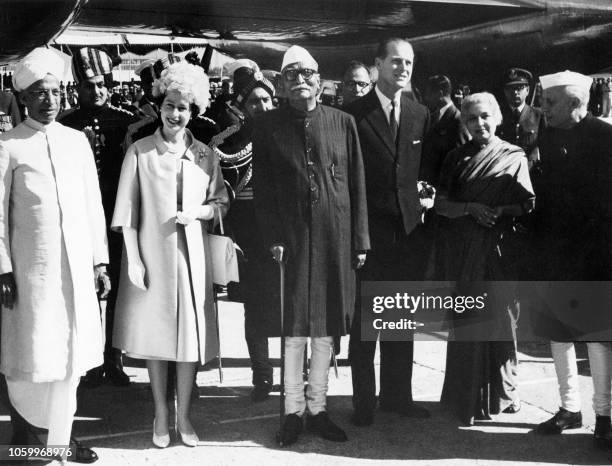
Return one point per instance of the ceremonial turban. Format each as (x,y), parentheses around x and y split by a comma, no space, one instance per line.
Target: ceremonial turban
(35,66)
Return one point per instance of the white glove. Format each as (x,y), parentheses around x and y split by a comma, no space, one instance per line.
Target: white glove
(136,272)
(201,212)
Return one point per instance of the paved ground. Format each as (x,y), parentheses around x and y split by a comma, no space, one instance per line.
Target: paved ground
(117,422)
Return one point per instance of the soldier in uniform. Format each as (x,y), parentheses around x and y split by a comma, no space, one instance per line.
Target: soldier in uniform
(521,122)
(253,95)
(105,127)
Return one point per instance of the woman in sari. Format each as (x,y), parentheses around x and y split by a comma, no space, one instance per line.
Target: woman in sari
(484,185)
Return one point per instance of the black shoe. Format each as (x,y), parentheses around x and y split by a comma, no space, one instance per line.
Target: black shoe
(561,421)
(292,427)
(261,392)
(81,453)
(409,410)
(603,432)
(94,377)
(323,426)
(362,418)
(114,373)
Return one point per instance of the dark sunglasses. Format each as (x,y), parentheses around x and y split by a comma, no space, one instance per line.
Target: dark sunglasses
(356,84)
(306,73)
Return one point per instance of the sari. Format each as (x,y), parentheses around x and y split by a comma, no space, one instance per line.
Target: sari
(481,353)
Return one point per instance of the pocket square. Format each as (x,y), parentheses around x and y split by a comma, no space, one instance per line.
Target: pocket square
(418,141)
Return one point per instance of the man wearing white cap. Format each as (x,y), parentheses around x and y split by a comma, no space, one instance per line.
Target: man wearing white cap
(53,253)
(573,232)
(309,194)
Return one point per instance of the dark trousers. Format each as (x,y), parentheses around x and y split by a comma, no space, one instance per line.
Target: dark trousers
(257,343)
(394,256)
(115,246)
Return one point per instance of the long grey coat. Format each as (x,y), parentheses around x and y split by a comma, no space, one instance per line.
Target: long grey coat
(309,194)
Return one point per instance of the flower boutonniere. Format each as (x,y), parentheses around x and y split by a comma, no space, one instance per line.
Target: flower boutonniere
(201,155)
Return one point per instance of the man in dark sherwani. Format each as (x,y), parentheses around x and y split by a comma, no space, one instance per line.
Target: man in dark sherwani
(392,128)
(309,193)
(574,245)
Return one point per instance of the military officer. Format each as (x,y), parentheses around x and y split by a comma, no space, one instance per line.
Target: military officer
(105,127)
(521,122)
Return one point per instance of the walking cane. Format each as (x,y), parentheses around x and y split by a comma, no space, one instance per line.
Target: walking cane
(277,254)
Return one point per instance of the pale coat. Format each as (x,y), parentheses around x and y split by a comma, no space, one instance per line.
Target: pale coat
(146,320)
(53,233)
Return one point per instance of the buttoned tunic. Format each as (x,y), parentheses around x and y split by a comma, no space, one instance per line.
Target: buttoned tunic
(52,235)
(309,192)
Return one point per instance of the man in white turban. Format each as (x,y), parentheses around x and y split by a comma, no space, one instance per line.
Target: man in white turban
(574,227)
(53,252)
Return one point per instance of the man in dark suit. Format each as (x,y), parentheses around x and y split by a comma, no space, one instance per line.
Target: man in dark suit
(521,122)
(391,131)
(446,132)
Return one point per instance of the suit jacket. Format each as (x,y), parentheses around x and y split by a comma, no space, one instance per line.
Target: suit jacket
(524,132)
(391,170)
(446,134)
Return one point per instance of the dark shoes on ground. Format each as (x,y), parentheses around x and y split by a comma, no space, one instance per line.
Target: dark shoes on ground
(406,410)
(603,432)
(81,453)
(292,427)
(323,426)
(362,418)
(114,374)
(261,392)
(561,421)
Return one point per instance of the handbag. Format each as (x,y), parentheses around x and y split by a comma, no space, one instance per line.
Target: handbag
(223,256)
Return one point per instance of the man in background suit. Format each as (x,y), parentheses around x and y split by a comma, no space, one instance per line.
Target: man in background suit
(446,133)
(391,131)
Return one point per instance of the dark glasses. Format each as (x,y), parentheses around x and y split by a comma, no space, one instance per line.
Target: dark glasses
(292,74)
(356,84)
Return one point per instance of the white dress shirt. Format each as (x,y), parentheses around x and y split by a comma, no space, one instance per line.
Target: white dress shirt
(386,104)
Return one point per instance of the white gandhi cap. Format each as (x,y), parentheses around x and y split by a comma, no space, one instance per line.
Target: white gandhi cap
(566,78)
(297,54)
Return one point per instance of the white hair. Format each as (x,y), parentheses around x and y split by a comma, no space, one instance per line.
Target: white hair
(481,98)
(580,93)
(189,80)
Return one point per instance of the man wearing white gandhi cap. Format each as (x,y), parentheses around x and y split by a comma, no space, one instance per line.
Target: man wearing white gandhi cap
(53,252)
(574,230)
(309,195)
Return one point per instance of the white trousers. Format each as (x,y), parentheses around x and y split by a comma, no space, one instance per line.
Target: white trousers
(564,357)
(316,393)
(600,360)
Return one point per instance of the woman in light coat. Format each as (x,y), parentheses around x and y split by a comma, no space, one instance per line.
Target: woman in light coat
(170,185)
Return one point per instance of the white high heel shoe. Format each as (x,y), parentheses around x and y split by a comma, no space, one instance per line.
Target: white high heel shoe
(160,441)
(191,440)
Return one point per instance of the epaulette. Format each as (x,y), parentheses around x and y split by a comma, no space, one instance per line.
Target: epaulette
(206,119)
(121,110)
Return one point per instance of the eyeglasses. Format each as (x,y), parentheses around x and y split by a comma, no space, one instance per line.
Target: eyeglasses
(44,94)
(356,84)
(306,73)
